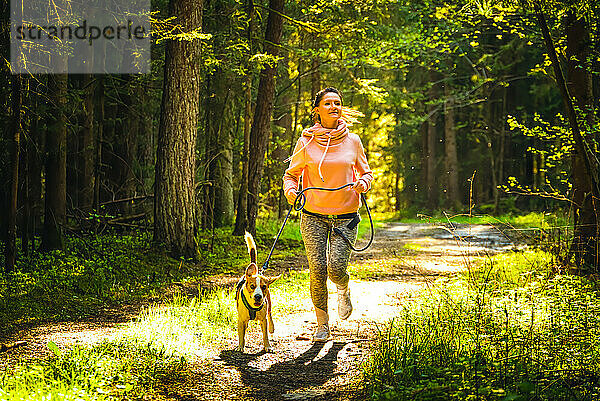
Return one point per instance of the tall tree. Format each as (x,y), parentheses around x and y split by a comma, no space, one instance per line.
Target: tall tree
(451,158)
(259,133)
(579,82)
(175,222)
(11,237)
(576,94)
(431,159)
(55,195)
(219,150)
(241,216)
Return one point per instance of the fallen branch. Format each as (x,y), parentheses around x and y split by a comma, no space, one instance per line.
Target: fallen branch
(126,219)
(6,347)
(135,198)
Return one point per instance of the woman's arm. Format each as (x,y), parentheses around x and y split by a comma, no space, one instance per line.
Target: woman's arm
(291,177)
(365,174)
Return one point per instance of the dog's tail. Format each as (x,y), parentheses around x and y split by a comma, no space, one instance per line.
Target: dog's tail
(251,246)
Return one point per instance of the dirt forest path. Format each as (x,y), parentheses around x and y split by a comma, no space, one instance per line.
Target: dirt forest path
(403,260)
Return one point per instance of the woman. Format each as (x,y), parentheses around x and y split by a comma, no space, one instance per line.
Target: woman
(328,155)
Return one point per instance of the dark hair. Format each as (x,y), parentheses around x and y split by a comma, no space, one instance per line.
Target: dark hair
(318,98)
(322,93)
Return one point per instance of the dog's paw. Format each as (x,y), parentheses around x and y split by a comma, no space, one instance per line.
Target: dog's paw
(239,349)
(269,350)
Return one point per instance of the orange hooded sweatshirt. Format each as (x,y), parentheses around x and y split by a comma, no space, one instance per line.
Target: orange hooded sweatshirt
(328,158)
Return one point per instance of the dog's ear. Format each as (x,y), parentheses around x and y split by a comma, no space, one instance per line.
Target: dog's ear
(271,280)
(251,270)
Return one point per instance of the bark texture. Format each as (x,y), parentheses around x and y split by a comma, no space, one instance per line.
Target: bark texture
(241,214)
(451,160)
(56,166)
(431,158)
(259,133)
(86,189)
(175,222)
(219,152)
(10,250)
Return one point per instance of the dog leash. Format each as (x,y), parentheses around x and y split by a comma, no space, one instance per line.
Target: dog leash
(298,205)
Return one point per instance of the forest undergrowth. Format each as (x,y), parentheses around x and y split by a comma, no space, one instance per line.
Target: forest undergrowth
(506,329)
(94,272)
(510,327)
(114,269)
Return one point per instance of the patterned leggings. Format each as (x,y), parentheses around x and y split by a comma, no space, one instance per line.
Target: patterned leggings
(328,254)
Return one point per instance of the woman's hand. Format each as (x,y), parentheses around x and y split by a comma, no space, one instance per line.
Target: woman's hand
(360,186)
(291,196)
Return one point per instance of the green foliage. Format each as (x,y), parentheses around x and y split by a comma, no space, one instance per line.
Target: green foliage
(117,370)
(505,332)
(554,147)
(531,220)
(95,271)
(90,271)
(148,353)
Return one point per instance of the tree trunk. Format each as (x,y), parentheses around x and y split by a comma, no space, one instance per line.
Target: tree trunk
(452,193)
(579,82)
(292,139)
(501,150)
(280,145)
(24,175)
(86,188)
(175,222)
(56,168)
(99,111)
(432,176)
(315,75)
(130,143)
(584,175)
(241,216)
(421,187)
(259,133)
(10,250)
(219,150)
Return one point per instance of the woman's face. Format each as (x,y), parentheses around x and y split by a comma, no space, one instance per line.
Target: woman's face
(330,109)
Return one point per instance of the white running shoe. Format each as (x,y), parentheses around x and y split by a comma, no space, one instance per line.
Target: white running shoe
(322,333)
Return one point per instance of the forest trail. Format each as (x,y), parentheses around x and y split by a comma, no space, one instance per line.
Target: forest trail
(403,260)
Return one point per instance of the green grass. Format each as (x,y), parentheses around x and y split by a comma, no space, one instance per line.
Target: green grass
(148,353)
(506,331)
(413,247)
(530,220)
(387,266)
(183,325)
(291,231)
(113,268)
(110,370)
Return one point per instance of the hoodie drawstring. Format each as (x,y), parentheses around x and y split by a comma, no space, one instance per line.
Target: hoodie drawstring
(323,158)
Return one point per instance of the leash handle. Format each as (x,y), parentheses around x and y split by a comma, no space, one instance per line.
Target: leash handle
(339,232)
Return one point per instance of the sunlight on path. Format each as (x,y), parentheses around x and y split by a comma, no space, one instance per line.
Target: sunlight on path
(64,334)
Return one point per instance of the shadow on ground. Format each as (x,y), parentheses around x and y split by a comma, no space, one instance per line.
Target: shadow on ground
(292,379)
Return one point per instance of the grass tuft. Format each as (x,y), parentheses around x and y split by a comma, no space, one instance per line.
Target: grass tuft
(508,331)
